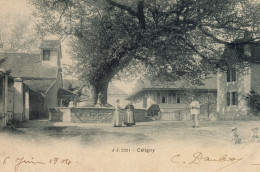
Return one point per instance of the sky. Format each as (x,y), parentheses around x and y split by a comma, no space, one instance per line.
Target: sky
(12,8)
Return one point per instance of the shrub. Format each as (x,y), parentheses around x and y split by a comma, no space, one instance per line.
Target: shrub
(253,101)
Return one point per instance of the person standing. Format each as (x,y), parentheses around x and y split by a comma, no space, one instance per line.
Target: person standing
(234,137)
(117,117)
(254,136)
(130,118)
(195,111)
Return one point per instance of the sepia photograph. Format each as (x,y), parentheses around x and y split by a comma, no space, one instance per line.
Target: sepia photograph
(129,85)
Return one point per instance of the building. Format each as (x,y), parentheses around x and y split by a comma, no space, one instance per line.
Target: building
(236,81)
(35,81)
(174,99)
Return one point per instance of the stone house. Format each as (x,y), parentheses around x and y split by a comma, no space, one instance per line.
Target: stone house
(174,99)
(35,81)
(236,81)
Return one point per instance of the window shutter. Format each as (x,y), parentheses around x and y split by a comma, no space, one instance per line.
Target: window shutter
(228,75)
(234,74)
(236,98)
(178,98)
(228,98)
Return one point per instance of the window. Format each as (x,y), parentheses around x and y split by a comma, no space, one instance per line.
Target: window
(163,99)
(232,98)
(231,75)
(178,98)
(46,55)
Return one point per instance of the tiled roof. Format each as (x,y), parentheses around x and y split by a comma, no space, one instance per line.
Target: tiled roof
(209,83)
(27,66)
(40,86)
(50,44)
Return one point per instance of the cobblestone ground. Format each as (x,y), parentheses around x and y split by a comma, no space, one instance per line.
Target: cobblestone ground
(147,146)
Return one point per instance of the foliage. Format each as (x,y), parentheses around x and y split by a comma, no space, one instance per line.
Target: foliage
(18,34)
(165,39)
(253,100)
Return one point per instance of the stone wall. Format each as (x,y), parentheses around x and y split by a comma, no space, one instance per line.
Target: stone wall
(90,114)
(140,115)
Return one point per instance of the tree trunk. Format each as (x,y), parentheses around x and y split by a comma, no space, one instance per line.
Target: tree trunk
(93,88)
(103,93)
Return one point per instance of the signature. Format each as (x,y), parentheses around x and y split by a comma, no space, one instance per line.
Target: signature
(19,161)
(198,158)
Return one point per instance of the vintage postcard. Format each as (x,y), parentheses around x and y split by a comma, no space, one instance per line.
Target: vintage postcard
(129,85)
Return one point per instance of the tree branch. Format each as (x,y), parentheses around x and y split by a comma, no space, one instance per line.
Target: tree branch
(123,7)
(212,36)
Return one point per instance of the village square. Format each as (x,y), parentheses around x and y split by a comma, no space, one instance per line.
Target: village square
(141,77)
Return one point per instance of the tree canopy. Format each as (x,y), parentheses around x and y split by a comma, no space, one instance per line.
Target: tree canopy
(171,38)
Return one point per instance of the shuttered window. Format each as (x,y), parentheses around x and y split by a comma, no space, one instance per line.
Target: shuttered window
(46,55)
(228,75)
(234,74)
(231,75)
(232,98)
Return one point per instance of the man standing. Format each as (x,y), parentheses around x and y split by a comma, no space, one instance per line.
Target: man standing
(195,111)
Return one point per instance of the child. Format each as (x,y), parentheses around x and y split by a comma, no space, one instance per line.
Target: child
(254,136)
(234,137)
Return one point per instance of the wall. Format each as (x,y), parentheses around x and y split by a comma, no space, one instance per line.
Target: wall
(90,115)
(51,98)
(178,111)
(255,77)
(242,86)
(10,105)
(140,115)
(36,105)
(53,58)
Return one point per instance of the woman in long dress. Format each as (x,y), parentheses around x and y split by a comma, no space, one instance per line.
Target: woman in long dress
(117,118)
(130,119)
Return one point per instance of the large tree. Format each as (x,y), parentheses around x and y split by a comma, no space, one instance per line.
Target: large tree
(172,38)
